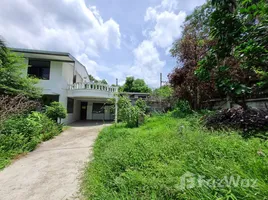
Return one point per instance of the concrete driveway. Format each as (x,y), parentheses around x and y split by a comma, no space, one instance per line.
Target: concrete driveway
(52,171)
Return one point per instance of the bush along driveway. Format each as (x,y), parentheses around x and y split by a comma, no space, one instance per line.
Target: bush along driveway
(52,170)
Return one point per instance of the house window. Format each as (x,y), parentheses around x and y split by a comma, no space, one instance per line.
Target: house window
(48,99)
(70,105)
(39,69)
(98,108)
(74,79)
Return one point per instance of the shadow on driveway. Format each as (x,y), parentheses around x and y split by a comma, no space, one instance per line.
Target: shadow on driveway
(88,123)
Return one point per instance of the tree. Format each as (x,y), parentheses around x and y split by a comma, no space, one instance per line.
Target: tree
(188,50)
(92,79)
(3,52)
(139,85)
(12,79)
(240,31)
(103,81)
(163,93)
(127,87)
(135,85)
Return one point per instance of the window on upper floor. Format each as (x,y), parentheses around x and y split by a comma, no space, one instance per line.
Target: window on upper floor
(74,79)
(39,69)
(70,105)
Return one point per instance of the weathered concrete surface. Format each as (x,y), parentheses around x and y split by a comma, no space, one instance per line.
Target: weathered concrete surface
(52,171)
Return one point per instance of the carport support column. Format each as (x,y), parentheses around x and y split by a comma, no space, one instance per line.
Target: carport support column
(116,108)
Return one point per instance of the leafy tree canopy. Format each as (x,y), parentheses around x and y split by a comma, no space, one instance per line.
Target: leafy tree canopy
(239,58)
(92,79)
(135,85)
(163,92)
(188,50)
(12,79)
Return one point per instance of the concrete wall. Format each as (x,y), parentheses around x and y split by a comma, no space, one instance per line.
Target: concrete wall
(261,103)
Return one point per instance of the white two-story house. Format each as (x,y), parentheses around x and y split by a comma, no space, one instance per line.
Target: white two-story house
(65,79)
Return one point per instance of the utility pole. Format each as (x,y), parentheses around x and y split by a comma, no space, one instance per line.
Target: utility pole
(116,82)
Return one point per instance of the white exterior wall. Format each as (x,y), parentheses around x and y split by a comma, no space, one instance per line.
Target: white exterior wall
(56,83)
(68,73)
(61,76)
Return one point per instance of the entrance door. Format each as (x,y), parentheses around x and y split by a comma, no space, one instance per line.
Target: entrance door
(83,111)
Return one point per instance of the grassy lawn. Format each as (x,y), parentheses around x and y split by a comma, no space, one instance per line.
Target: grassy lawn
(148,162)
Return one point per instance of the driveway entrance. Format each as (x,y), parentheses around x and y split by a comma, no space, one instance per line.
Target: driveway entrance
(52,171)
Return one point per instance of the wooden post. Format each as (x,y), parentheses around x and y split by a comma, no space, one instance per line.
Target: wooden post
(116,106)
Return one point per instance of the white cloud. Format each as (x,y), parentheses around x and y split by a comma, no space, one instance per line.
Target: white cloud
(62,25)
(151,14)
(166,23)
(147,64)
(167,28)
(172,5)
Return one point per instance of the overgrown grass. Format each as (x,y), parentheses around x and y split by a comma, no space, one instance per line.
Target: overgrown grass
(147,162)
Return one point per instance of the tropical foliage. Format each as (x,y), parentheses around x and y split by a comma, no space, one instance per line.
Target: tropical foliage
(20,128)
(94,80)
(135,85)
(132,115)
(163,93)
(240,53)
(224,43)
(188,51)
(56,111)
(13,81)
(22,133)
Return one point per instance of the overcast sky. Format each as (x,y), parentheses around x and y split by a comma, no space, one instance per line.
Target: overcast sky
(112,38)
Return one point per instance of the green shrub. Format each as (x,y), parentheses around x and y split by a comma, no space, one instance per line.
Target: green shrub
(141,104)
(23,133)
(133,116)
(147,162)
(181,109)
(49,127)
(56,111)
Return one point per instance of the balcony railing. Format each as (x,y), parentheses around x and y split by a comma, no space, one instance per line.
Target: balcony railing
(93,86)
